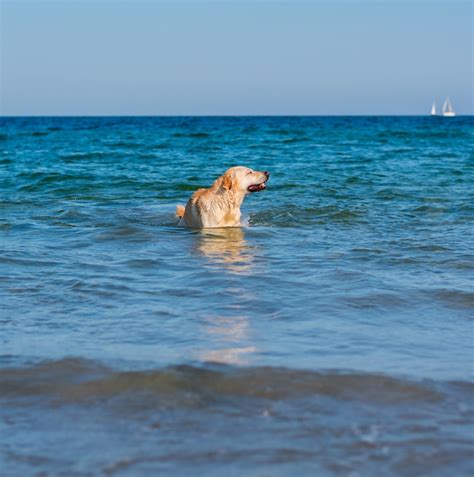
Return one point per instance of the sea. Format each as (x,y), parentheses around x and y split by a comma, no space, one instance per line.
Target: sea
(331,335)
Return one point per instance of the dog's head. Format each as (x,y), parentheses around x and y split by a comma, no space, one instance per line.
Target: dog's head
(242,179)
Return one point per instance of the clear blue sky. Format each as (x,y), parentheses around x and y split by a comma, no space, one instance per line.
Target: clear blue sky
(73,57)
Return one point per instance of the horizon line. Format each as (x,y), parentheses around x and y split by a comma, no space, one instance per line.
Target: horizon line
(217,115)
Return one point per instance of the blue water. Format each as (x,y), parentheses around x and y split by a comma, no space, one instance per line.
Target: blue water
(333,334)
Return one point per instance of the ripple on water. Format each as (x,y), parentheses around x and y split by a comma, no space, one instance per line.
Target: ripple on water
(293,216)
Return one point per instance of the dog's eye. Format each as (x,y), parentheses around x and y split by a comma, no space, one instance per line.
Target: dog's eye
(249,172)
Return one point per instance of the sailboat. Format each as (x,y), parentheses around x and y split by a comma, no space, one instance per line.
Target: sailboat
(433,109)
(448,110)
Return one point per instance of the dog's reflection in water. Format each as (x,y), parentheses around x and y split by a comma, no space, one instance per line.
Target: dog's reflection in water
(226,247)
(229,337)
(231,341)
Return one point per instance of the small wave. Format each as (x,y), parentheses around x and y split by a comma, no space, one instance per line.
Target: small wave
(431,134)
(124,232)
(291,215)
(377,301)
(75,380)
(433,248)
(127,145)
(294,140)
(401,150)
(442,155)
(390,194)
(34,133)
(201,420)
(188,187)
(162,145)
(287,132)
(40,133)
(430,209)
(27,262)
(45,180)
(141,263)
(352,180)
(286,185)
(453,298)
(84,156)
(197,135)
(346,215)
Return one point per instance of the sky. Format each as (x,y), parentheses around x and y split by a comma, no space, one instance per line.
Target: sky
(196,57)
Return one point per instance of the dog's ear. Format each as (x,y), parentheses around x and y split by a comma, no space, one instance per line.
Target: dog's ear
(227,182)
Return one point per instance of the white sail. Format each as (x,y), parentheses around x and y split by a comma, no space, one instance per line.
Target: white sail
(433,109)
(448,110)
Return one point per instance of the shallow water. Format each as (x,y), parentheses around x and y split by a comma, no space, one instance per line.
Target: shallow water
(331,335)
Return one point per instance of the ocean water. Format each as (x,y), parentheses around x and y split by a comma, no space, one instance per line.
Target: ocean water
(331,335)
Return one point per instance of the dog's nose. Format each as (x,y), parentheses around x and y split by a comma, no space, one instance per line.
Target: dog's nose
(267,174)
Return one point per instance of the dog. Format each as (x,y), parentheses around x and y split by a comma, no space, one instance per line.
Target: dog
(219,206)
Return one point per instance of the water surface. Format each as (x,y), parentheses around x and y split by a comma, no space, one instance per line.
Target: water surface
(332,335)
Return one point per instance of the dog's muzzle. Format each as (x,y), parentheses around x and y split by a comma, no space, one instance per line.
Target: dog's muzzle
(261,186)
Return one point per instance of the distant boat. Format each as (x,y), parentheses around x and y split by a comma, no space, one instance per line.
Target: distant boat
(448,110)
(433,109)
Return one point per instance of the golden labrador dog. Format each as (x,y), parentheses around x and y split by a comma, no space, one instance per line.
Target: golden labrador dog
(219,206)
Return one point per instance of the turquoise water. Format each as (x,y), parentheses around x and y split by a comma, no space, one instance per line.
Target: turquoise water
(332,335)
